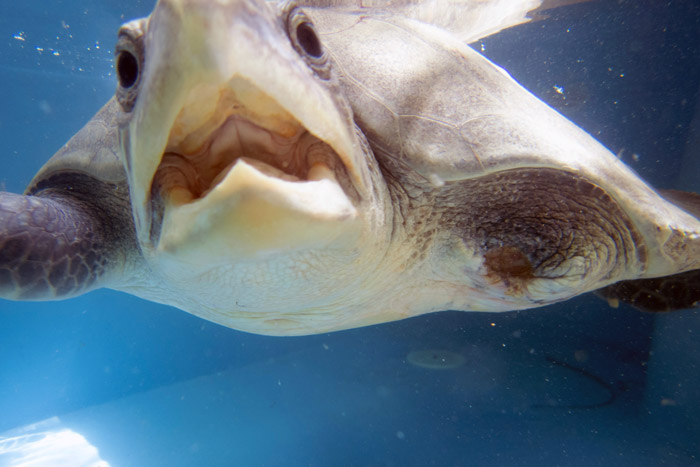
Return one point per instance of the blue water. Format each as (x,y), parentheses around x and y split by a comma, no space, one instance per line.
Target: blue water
(575,384)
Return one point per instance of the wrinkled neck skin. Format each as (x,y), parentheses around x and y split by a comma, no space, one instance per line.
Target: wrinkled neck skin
(494,244)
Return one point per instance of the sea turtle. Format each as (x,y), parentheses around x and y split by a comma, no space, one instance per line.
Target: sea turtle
(294,170)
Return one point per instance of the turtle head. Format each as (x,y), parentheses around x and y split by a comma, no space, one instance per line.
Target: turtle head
(235,129)
(237,142)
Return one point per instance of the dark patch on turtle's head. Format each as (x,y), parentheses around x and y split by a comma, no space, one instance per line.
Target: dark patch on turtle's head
(540,234)
(508,262)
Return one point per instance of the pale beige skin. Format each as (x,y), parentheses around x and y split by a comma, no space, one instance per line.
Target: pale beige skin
(468,193)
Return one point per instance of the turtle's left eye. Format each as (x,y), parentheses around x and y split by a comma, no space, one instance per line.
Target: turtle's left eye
(129,62)
(308,40)
(127,68)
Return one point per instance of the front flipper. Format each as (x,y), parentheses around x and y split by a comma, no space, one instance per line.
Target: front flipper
(50,247)
(660,294)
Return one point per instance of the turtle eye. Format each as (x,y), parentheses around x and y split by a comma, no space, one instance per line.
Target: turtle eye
(129,62)
(127,69)
(308,40)
(302,34)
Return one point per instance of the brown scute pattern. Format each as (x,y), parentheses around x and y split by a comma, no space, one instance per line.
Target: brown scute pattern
(49,248)
(660,294)
(549,216)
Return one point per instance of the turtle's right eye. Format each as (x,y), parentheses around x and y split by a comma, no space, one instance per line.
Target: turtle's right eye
(305,40)
(127,69)
(130,62)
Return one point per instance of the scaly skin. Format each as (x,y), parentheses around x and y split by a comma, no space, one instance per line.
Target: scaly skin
(63,238)
(49,248)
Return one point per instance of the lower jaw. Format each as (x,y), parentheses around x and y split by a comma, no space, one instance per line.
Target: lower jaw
(251,213)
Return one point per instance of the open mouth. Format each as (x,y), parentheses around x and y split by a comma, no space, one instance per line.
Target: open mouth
(205,144)
(184,176)
(238,165)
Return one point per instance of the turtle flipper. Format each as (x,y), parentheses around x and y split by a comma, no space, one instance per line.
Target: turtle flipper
(659,294)
(50,247)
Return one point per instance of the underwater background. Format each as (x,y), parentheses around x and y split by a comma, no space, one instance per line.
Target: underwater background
(109,379)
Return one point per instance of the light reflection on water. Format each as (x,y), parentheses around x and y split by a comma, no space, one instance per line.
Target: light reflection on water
(47,444)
